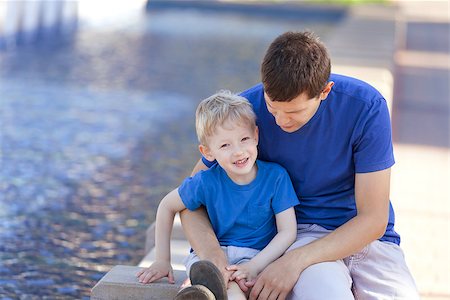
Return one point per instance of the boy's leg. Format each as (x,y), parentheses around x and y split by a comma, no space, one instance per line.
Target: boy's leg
(234,292)
(205,273)
(379,271)
(327,280)
(239,255)
(190,260)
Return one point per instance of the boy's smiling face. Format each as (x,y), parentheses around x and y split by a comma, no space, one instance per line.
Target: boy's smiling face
(233,146)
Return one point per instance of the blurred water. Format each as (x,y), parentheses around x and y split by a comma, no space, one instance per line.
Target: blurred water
(95,129)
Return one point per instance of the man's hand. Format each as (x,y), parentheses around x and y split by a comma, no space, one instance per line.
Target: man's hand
(277,279)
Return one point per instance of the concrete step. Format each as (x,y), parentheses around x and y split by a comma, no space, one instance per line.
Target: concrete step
(121,281)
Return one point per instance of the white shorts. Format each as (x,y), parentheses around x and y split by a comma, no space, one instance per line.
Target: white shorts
(235,256)
(378,272)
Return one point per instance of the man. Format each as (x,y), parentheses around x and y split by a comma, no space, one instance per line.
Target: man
(333,135)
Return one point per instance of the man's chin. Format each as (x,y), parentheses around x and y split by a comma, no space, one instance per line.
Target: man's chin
(290,129)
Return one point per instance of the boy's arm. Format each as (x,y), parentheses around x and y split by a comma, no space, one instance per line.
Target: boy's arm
(168,207)
(287,233)
(199,232)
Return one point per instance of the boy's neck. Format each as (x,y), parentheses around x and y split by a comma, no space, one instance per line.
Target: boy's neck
(246,178)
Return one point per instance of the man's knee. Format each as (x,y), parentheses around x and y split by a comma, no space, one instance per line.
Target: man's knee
(328,280)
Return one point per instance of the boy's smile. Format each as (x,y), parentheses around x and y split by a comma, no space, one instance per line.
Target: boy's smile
(233,146)
(241,163)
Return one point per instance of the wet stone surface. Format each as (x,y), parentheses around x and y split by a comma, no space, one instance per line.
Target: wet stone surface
(96,129)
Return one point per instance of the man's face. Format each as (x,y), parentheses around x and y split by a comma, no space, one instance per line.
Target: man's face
(293,115)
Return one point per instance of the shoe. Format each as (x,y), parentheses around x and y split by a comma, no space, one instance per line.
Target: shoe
(195,292)
(205,273)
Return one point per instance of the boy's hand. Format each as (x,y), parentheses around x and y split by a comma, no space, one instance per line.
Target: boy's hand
(157,270)
(245,271)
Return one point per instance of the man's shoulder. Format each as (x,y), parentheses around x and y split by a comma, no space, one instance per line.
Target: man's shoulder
(353,88)
(254,93)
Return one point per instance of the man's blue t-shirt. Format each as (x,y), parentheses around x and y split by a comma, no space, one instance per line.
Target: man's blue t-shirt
(241,215)
(350,133)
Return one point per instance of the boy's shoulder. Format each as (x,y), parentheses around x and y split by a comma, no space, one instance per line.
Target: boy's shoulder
(271,167)
(211,172)
(204,179)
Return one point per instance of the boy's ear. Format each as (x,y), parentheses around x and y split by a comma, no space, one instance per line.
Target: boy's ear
(204,150)
(257,134)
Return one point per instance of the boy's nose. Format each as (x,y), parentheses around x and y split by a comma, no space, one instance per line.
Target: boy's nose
(238,151)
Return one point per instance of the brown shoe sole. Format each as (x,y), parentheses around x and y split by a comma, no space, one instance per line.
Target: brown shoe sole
(195,292)
(205,273)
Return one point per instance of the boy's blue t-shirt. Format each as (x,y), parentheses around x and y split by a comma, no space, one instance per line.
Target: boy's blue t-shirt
(241,215)
(350,133)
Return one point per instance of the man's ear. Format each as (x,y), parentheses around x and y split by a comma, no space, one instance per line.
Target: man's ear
(204,150)
(326,90)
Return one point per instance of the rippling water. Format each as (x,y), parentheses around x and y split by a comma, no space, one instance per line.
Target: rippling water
(96,129)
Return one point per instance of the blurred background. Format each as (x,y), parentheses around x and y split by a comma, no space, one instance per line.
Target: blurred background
(97,102)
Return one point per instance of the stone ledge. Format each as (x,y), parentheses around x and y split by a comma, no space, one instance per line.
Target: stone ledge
(121,283)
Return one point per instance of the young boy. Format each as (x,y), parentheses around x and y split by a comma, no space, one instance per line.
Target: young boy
(249,202)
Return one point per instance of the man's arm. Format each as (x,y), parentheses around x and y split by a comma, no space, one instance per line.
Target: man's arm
(199,166)
(199,232)
(372,203)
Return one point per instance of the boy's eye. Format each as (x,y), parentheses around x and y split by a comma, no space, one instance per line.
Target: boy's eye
(245,139)
(224,145)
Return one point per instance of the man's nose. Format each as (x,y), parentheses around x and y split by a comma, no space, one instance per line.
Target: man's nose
(281,119)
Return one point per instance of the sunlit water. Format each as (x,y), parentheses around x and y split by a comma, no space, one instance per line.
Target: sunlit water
(95,129)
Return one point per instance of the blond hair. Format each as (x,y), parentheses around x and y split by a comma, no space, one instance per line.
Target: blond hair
(219,108)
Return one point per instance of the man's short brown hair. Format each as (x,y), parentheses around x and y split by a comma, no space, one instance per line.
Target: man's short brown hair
(295,63)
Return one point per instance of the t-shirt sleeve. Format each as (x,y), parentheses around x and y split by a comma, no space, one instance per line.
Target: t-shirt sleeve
(284,196)
(208,163)
(191,192)
(373,149)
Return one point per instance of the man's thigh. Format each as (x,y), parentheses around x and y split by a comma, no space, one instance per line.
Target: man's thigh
(379,271)
(327,280)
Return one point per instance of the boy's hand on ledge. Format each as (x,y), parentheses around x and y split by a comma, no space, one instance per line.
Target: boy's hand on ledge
(157,270)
